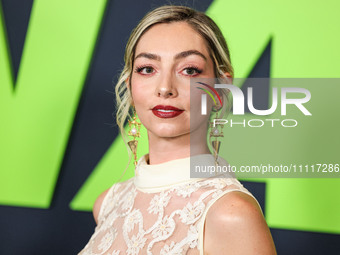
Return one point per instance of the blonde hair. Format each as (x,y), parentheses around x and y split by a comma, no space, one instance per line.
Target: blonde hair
(200,22)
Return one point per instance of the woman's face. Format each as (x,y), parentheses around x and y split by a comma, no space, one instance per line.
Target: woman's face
(166,57)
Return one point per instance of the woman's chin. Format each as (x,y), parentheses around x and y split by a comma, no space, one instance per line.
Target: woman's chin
(169,132)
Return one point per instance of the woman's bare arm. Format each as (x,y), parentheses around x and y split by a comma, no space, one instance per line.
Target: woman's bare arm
(235,225)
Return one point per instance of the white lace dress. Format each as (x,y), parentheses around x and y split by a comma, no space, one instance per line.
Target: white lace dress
(161,210)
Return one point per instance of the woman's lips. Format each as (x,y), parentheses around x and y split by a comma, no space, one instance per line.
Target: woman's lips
(166,111)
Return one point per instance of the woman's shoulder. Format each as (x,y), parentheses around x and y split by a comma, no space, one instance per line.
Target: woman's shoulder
(235,222)
(233,206)
(98,204)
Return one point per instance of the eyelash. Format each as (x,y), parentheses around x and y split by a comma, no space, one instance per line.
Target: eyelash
(198,70)
(138,69)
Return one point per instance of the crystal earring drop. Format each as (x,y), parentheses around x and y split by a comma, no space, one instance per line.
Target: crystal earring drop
(134,131)
(216,130)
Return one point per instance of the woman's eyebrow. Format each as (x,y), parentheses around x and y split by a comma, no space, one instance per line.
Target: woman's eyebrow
(180,55)
(187,53)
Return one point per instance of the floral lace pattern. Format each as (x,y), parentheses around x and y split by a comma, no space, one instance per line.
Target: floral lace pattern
(167,222)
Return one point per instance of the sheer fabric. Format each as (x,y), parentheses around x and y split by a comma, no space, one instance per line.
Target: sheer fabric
(161,210)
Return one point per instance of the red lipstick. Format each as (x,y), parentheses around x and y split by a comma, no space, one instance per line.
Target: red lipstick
(166,111)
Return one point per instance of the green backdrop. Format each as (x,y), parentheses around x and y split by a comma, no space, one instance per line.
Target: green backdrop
(36,117)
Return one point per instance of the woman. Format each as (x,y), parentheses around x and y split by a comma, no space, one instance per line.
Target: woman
(161,210)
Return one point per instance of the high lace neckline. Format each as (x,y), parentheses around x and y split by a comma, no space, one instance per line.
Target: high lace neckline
(157,177)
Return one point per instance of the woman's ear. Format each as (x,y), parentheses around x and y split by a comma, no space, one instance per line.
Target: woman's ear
(228,78)
(218,105)
(228,75)
(127,82)
(221,94)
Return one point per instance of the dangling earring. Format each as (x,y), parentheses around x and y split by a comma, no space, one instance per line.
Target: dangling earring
(216,130)
(134,131)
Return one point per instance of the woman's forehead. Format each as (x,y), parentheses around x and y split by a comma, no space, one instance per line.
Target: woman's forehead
(170,38)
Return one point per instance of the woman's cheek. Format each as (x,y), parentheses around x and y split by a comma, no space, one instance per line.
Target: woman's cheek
(137,89)
(195,98)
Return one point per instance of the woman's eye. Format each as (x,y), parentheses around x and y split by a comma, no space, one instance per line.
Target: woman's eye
(145,70)
(192,71)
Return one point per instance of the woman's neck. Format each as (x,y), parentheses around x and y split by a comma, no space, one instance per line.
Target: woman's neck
(163,149)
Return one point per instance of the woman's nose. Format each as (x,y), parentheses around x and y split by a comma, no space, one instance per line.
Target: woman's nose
(166,87)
